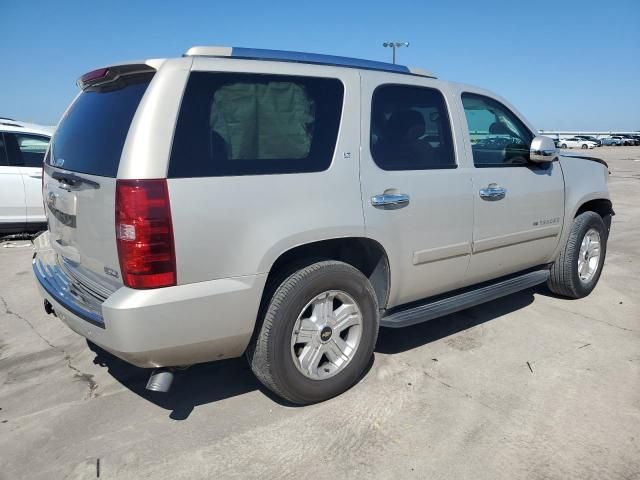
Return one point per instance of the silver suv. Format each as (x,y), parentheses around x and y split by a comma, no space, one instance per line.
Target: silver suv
(286,205)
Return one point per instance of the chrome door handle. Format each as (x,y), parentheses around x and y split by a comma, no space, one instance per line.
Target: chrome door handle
(390,200)
(493,192)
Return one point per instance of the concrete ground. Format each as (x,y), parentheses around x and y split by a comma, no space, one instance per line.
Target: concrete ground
(529,386)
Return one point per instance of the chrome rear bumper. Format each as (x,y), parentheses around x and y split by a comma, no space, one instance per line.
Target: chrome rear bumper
(61,286)
(162,327)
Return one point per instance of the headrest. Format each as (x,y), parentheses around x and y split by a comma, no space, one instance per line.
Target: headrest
(500,128)
(402,121)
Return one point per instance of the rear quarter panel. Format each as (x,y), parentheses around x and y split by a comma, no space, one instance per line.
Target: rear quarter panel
(236,226)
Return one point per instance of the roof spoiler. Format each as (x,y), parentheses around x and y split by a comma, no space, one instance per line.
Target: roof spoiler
(106,75)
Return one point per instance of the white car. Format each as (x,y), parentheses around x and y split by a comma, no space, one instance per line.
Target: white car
(22,150)
(575,142)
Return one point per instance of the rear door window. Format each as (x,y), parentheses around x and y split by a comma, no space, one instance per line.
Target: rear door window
(410,129)
(250,124)
(29,150)
(91,135)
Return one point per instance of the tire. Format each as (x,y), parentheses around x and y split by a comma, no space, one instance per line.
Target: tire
(273,354)
(565,278)
(564,145)
(585,146)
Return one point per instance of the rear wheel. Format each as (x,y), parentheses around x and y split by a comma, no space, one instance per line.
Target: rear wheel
(318,334)
(577,269)
(564,145)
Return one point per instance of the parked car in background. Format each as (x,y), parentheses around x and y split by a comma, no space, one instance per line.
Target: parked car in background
(22,150)
(630,139)
(624,140)
(591,139)
(611,142)
(576,142)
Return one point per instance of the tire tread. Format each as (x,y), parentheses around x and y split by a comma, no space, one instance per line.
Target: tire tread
(260,355)
(562,279)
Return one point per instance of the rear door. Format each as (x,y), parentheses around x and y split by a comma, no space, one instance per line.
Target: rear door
(12,203)
(80,178)
(26,151)
(416,195)
(518,205)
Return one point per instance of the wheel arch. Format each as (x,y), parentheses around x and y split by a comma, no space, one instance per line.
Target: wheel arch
(601,206)
(363,253)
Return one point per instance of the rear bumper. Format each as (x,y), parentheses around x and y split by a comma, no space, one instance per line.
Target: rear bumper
(171,326)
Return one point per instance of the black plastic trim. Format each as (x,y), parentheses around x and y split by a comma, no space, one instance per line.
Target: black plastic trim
(441,306)
(593,159)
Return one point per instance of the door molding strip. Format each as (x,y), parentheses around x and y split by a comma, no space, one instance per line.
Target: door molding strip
(441,253)
(492,243)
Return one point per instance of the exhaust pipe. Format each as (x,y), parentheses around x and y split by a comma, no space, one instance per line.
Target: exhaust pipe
(160,380)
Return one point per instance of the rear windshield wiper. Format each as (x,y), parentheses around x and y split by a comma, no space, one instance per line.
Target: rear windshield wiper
(74,180)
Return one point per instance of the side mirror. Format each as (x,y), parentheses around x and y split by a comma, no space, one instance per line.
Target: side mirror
(543,149)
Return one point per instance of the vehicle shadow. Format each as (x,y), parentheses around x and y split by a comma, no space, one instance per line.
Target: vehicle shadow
(197,385)
(215,381)
(397,340)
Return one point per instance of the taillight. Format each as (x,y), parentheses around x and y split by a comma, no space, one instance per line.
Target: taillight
(144,233)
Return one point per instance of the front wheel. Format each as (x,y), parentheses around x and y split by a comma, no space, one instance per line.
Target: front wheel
(577,269)
(564,145)
(318,333)
(585,146)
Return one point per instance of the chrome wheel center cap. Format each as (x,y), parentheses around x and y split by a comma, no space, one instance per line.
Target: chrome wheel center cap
(325,334)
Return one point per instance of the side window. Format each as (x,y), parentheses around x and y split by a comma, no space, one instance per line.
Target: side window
(410,129)
(4,160)
(498,137)
(251,124)
(28,150)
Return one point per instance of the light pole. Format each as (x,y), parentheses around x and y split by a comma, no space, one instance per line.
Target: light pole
(395,45)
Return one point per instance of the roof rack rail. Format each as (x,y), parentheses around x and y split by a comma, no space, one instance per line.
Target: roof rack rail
(302,57)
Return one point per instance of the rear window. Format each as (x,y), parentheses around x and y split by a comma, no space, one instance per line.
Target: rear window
(249,124)
(91,135)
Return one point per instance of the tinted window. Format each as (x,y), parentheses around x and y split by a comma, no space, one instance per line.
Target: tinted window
(498,137)
(90,137)
(247,124)
(410,129)
(31,149)
(3,151)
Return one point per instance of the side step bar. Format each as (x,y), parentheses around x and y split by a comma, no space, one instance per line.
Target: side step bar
(445,306)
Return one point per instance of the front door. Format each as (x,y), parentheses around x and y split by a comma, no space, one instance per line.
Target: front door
(518,205)
(12,203)
(417,198)
(29,157)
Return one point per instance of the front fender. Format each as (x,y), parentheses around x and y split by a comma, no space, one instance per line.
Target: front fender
(585,179)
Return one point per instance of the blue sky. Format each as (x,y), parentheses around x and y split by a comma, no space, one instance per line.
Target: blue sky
(563,64)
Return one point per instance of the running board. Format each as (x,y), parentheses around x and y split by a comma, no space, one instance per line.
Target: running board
(445,306)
